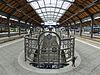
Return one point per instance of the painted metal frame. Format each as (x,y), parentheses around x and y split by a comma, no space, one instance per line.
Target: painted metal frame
(32,44)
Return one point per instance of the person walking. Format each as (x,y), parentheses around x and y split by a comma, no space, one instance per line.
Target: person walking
(73,61)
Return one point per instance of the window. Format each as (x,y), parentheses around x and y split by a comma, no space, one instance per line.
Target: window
(50,9)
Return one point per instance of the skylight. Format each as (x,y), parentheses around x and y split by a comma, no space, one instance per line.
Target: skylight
(50,10)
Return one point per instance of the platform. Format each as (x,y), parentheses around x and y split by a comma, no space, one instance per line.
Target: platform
(4,39)
(10,51)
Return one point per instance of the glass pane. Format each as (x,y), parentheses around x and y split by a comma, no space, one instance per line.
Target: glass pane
(50,9)
(34,5)
(56,13)
(71,0)
(59,14)
(53,2)
(41,3)
(41,14)
(62,11)
(47,2)
(59,3)
(55,16)
(45,13)
(42,17)
(68,5)
(38,11)
(52,13)
(48,13)
(57,10)
(65,5)
(43,10)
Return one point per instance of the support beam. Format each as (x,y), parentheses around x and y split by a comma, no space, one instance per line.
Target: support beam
(30,29)
(74,26)
(85,8)
(80,27)
(26,27)
(1,29)
(9,5)
(92,24)
(74,30)
(8,25)
(6,14)
(67,29)
(13,11)
(19,27)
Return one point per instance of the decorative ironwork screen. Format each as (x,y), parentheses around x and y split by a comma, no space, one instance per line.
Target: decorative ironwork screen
(49,50)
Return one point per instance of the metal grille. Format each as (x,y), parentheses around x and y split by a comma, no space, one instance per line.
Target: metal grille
(49,50)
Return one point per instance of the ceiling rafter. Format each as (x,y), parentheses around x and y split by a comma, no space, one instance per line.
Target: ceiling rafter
(18,10)
(88,6)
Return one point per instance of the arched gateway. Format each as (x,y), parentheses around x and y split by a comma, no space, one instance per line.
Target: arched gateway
(49,51)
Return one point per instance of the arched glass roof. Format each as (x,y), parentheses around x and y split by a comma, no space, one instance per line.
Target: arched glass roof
(50,10)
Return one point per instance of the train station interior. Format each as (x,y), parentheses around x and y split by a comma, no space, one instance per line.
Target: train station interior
(49,37)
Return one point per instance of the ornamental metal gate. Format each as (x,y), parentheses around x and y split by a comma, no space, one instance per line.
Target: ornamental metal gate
(48,50)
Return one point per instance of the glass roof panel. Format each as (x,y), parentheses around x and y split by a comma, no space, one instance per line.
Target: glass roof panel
(59,14)
(43,10)
(56,13)
(47,2)
(57,10)
(59,3)
(41,3)
(47,9)
(41,14)
(34,5)
(38,11)
(62,11)
(45,13)
(65,5)
(50,9)
(53,1)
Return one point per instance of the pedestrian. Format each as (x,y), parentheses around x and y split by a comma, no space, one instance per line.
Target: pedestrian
(73,61)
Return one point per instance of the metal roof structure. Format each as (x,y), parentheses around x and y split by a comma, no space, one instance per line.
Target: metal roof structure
(51,9)
(19,9)
(79,10)
(38,11)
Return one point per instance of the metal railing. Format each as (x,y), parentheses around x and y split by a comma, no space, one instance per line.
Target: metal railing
(51,55)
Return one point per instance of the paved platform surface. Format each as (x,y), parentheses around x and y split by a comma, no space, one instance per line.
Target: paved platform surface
(9,52)
(92,41)
(6,39)
(5,34)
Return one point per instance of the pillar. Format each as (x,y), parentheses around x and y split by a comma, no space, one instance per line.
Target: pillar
(31,29)
(80,28)
(67,29)
(8,25)
(26,27)
(74,26)
(19,28)
(92,23)
(1,29)
(74,30)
